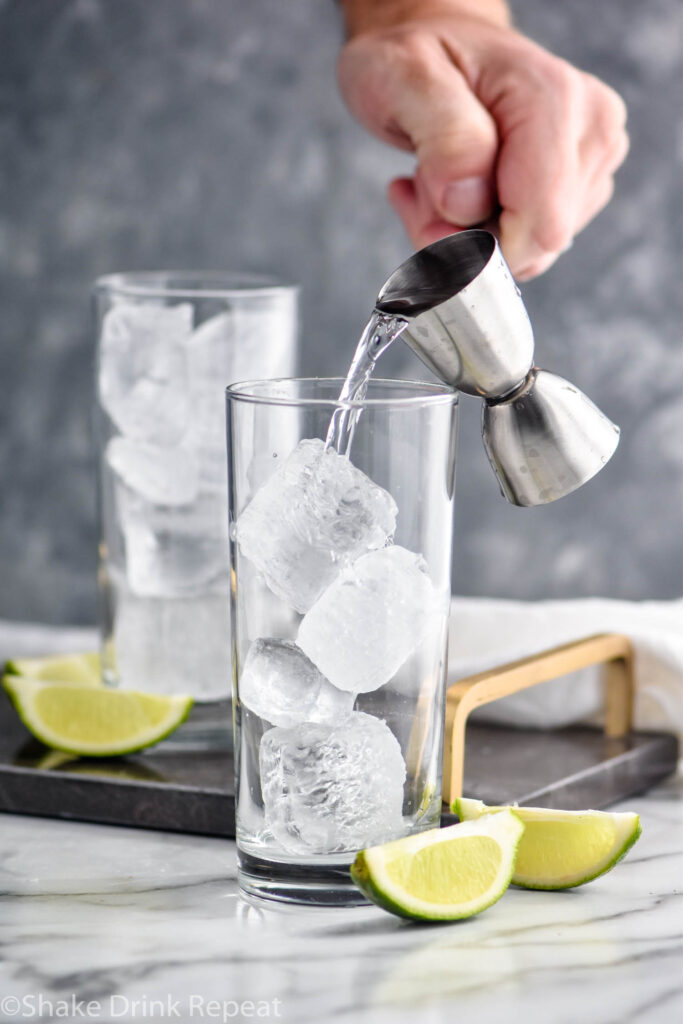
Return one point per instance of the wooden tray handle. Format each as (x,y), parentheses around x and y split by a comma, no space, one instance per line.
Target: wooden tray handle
(467,694)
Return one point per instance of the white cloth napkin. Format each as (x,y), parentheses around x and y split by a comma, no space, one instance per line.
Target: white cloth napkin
(29,640)
(487,632)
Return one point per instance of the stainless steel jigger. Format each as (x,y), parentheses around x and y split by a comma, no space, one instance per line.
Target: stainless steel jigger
(467,322)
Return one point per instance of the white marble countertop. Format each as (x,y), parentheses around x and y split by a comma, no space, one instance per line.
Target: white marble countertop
(116,915)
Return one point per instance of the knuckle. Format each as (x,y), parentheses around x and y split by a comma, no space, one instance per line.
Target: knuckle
(550,85)
(404,51)
(608,122)
(565,79)
(373,66)
(612,106)
(614,137)
(354,61)
(409,43)
(409,53)
(618,148)
(614,146)
(560,81)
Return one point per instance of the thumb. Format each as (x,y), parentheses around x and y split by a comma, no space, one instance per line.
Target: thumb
(456,143)
(406,89)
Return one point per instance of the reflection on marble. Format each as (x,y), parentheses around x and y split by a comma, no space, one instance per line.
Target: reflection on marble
(95,912)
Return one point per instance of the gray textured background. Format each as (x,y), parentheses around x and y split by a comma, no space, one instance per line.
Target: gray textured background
(160,133)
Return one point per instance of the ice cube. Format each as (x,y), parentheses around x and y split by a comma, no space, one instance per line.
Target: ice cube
(252,339)
(163,476)
(315,514)
(143,370)
(265,329)
(174,646)
(280,684)
(209,352)
(332,788)
(173,552)
(369,621)
(258,612)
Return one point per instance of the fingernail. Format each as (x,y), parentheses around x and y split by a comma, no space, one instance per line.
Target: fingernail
(468,201)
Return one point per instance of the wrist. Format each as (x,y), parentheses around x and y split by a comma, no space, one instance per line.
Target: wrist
(367,15)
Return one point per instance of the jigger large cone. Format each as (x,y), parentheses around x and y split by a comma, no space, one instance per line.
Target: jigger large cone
(546,440)
(467,322)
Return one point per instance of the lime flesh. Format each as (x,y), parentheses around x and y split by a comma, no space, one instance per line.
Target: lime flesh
(562,849)
(91,721)
(444,874)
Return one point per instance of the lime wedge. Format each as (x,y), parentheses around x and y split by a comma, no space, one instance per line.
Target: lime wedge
(94,721)
(72,668)
(562,849)
(443,874)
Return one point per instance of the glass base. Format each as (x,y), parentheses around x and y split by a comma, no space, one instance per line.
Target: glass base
(326,884)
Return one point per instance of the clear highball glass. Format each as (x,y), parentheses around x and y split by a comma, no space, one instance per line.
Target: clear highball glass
(168,343)
(340,596)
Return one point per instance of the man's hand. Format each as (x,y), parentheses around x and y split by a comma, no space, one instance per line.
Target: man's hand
(503,131)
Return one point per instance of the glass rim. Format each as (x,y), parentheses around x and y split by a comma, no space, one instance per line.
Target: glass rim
(428,393)
(218,284)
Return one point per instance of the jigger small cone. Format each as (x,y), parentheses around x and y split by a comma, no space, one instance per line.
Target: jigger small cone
(466,321)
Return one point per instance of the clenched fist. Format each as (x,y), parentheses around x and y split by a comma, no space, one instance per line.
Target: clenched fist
(504,132)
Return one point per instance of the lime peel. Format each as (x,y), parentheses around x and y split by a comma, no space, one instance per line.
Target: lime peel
(562,849)
(443,874)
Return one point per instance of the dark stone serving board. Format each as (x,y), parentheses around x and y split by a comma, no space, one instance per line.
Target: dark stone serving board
(187,790)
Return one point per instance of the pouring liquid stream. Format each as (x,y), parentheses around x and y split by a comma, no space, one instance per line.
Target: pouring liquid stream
(381,330)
